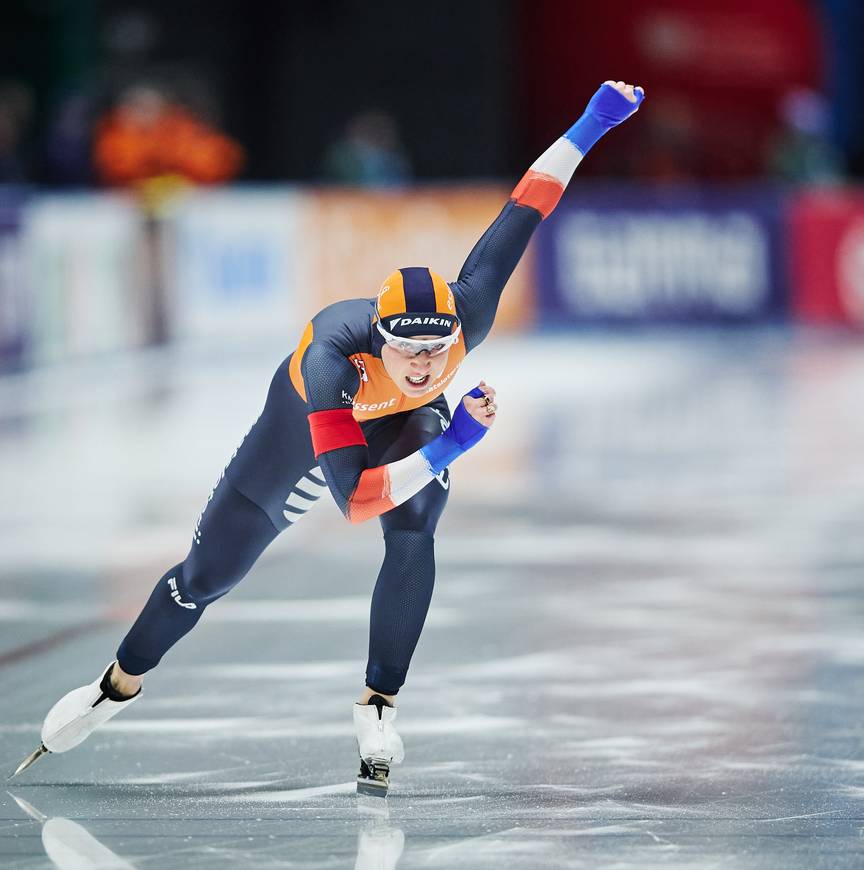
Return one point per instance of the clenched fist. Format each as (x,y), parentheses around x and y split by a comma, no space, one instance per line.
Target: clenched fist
(482,409)
(629,91)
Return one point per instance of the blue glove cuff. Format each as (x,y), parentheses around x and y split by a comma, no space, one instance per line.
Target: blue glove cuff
(441,452)
(585,132)
(463,434)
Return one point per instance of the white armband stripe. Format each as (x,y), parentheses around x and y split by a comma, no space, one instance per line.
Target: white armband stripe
(559,160)
(408,476)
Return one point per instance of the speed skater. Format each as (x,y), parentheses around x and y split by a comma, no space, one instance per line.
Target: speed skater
(357,409)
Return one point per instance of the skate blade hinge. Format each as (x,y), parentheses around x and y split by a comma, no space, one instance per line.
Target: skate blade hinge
(374,778)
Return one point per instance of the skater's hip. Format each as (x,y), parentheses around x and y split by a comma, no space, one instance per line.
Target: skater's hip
(276,457)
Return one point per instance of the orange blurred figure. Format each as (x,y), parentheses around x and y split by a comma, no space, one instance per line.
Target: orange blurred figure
(147,137)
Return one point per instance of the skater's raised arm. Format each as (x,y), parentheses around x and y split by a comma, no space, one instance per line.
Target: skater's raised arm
(361,491)
(493,259)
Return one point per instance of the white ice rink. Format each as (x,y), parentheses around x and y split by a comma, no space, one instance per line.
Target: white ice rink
(645,647)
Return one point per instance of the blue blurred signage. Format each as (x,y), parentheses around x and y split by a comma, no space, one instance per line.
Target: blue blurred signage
(233,270)
(617,256)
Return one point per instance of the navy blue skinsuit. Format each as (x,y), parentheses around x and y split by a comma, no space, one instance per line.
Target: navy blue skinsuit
(274,478)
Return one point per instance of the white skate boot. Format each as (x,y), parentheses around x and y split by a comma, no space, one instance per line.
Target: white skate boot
(76,715)
(378,743)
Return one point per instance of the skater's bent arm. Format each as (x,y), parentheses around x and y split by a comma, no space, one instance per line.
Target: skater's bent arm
(493,259)
(361,491)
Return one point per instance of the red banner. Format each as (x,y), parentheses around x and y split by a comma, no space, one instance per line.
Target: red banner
(714,71)
(826,239)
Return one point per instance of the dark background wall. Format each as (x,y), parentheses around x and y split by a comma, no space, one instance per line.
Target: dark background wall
(284,78)
(476,87)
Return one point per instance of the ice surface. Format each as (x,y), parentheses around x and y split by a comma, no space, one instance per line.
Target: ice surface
(644,650)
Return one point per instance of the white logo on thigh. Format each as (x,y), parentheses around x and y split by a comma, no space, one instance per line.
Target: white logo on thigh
(172,583)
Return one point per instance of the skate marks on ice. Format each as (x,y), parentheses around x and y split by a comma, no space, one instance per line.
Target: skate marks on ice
(651,654)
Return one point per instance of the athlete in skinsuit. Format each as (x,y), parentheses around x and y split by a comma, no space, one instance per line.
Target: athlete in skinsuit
(358,409)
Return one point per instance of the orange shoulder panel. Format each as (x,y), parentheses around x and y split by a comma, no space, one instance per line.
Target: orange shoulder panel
(296,359)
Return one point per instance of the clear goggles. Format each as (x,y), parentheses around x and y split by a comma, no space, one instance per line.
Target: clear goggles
(416,346)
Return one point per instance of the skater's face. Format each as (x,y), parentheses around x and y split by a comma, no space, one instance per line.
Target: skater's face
(413,374)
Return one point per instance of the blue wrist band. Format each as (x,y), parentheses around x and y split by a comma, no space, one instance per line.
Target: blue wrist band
(463,434)
(441,452)
(585,132)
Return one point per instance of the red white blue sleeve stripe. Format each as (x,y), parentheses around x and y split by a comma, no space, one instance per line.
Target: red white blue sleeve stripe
(543,184)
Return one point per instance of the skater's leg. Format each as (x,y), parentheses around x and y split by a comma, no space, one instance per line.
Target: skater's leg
(402,593)
(400,603)
(403,590)
(271,481)
(232,535)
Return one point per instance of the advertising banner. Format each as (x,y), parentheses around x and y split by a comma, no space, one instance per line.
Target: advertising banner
(13,310)
(826,249)
(699,61)
(232,265)
(631,255)
(84,265)
(354,239)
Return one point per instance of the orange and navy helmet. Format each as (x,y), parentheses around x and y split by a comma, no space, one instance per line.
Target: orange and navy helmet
(416,301)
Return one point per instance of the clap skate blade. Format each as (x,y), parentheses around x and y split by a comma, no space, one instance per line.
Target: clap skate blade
(374,778)
(30,759)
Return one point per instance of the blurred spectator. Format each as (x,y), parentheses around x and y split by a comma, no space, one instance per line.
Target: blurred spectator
(157,147)
(147,137)
(370,152)
(68,142)
(803,151)
(16,105)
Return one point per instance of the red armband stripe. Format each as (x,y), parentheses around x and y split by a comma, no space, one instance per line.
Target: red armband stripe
(538,190)
(334,429)
(371,498)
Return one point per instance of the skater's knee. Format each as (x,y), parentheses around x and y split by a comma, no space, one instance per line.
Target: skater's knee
(422,511)
(416,514)
(411,544)
(204,588)
(209,575)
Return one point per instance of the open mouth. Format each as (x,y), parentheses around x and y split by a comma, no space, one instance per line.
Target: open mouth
(419,381)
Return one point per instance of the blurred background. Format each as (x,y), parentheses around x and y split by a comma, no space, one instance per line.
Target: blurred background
(176,171)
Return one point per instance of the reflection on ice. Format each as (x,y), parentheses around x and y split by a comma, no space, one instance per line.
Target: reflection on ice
(379,844)
(70,846)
